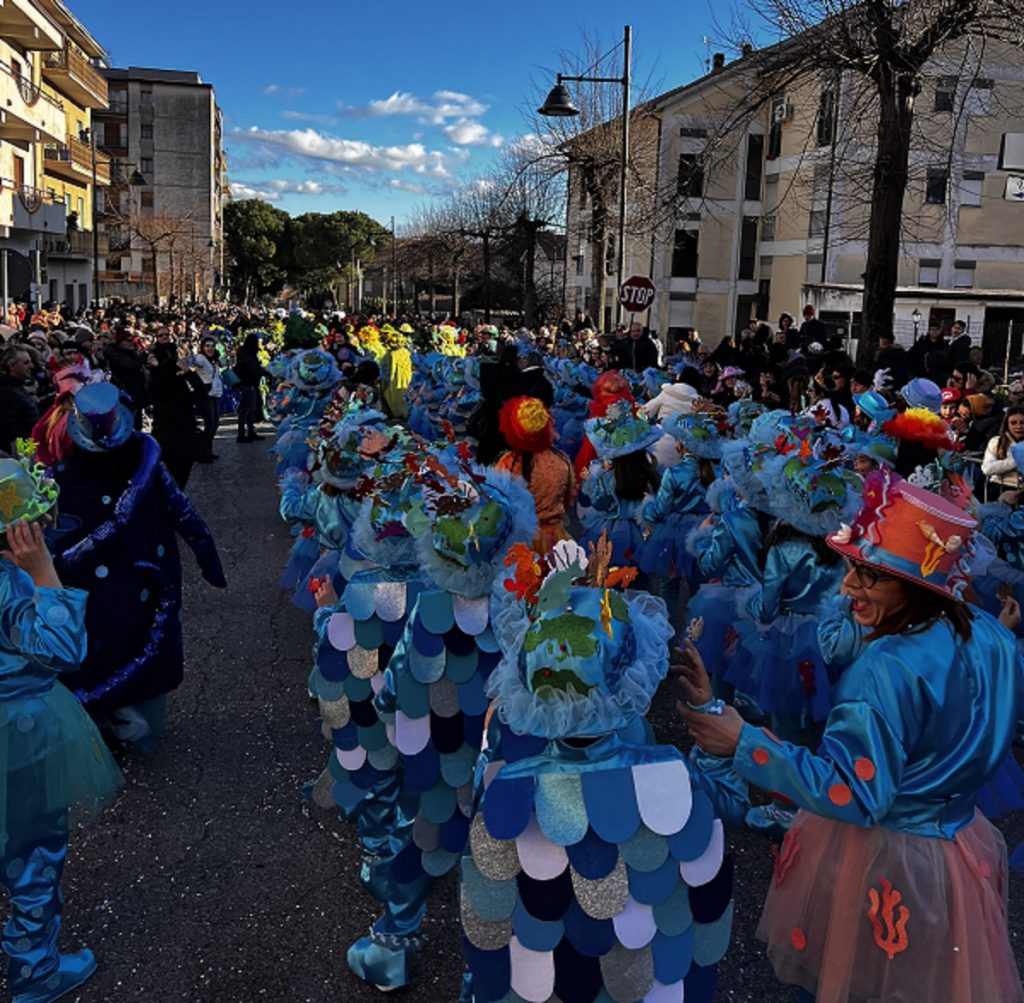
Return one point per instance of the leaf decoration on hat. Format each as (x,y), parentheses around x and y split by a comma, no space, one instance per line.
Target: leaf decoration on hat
(599,562)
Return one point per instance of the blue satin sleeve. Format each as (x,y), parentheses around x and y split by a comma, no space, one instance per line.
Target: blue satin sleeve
(297,499)
(840,637)
(713,547)
(854,776)
(192,528)
(44,626)
(727,790)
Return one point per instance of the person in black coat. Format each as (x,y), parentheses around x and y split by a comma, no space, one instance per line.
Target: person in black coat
(18,408)
(637,352)
(127,368)
(175,393)
(499,382)
(121,515)
(250,373)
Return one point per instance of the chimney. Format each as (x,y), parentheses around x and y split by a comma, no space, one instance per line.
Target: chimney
(746,49)
(718,62)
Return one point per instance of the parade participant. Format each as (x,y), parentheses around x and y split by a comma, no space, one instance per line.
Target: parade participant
(126,513)
(612,497)
(50,432)
(680,504)
(596,869)
(327,508)
(528,429)
(890,884)
(356,635)
(434,698)
(53,757)
(728,549)
(395,371)
(607,389)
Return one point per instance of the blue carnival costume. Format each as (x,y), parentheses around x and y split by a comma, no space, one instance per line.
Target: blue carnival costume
(602,510)
(681,502)
(435,699)
(355,640)
(127,514)
(53,757)
(596,868)
(728,554)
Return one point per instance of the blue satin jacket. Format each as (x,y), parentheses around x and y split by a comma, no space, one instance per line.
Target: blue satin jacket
(680,493)
(731,551)
(921,722)
(794,581)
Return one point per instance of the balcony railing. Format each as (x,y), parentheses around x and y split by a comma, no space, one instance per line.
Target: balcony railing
(77,74)
(77,243)
(78,155)
(30,92)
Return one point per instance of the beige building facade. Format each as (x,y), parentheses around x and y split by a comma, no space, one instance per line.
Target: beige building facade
(49,87)
(764,211)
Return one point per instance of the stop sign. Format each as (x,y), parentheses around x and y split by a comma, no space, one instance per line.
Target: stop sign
(636,293)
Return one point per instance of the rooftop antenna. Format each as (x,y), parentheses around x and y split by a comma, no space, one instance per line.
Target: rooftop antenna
(707,53)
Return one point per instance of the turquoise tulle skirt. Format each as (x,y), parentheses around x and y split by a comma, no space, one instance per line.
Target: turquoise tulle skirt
(54,757)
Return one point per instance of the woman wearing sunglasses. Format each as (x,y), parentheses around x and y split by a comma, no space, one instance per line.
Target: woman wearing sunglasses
(890,884)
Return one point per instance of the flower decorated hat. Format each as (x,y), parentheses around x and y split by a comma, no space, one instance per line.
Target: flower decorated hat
(910,532)
(344,455)
(526,424)
(316,370)
(100,420)
(475,515)
(743,413)
(700,434)
(581,657)
(25,491)
(621,431)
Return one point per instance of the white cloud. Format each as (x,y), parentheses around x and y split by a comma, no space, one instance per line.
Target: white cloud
(349,153)
(272,191)
(406,186)
(239,190)
(276,90)
(303,116)
(306,188)
(435,110)
(531,145)
(466,132)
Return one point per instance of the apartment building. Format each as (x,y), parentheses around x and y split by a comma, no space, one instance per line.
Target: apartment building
(163,132)
(73,169)
(48,89)
(765,212)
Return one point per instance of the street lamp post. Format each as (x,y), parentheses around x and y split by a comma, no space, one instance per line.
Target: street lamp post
(394,270)
(559,105)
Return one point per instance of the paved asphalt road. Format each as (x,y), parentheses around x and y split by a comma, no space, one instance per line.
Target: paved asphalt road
(210,880)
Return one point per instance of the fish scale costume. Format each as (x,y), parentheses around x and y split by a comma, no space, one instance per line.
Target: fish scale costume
(596,870)
(355,640)
(435,702)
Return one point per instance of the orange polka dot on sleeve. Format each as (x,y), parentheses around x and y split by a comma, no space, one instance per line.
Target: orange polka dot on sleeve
(760,756)
(865,769)
(798,938)
(840,794)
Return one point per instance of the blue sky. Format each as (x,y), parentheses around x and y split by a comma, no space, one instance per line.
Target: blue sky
(381,106)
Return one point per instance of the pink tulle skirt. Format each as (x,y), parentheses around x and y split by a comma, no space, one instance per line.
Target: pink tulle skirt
(877,916)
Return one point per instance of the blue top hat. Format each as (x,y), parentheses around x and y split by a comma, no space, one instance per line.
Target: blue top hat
(100,420)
